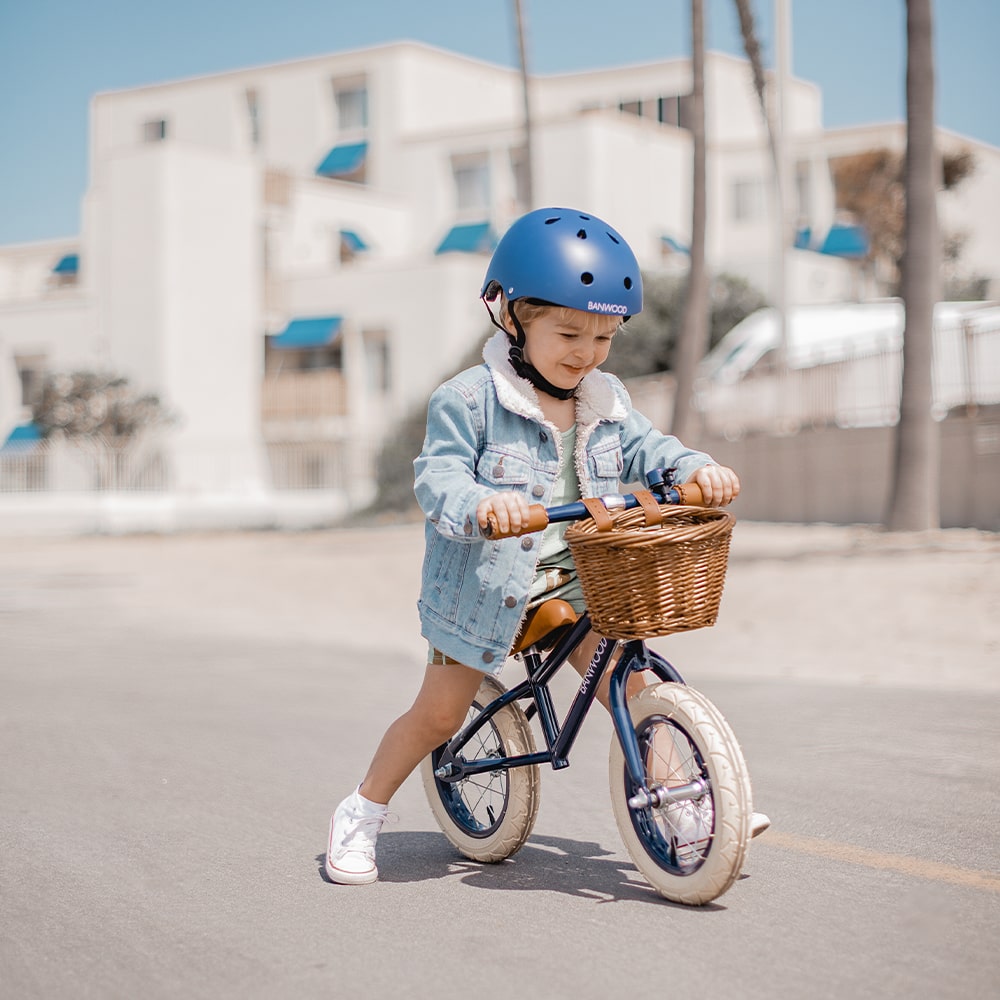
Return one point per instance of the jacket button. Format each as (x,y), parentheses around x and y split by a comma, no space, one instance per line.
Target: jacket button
(538,490)
(487,657)
(510,601)
(527,543)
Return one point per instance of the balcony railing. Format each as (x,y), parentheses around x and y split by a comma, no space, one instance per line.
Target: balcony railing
(304,395)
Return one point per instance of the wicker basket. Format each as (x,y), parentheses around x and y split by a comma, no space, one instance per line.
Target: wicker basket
(643,579)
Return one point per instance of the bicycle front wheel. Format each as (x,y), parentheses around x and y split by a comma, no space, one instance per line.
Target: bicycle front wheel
(488,816)
(690,851)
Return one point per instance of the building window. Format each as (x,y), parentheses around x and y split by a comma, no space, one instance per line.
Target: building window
(378,368)
(351,98)
(631,107)
(675,110)
(749,200)
(253,111)
(472,184)
(154,130)
(349,245)
(31,374)
(67,271)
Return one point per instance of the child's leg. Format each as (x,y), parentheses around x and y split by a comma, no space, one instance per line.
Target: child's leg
(581,657)
(437,713)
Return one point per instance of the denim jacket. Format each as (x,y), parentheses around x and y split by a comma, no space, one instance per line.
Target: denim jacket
(486,433)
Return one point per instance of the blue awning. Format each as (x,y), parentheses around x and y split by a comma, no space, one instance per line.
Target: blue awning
(68,264)
(352,241)
(846,241)
(476,237)
(24,437)
(674,245)
(343,160)
(316,331)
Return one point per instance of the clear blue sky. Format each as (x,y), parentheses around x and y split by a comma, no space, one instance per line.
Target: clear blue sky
(56,54)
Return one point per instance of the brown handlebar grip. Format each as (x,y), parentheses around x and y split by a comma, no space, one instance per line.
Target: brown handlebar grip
(537,520)
(690,495)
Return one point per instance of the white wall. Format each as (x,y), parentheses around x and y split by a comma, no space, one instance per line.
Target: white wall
(183,286)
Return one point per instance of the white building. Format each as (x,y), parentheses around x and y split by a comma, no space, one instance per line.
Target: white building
(290,255)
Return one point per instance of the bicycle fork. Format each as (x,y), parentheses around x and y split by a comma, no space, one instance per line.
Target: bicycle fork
(645,797)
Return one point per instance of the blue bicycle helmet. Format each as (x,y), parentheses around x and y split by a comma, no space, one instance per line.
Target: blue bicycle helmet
(561,257)
(566,258)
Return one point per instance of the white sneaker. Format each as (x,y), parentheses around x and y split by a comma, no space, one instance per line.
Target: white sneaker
(350,852)
(758,824)
(690,826)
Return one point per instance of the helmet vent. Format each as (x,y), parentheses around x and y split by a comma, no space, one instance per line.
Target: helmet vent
(628,282)
(613,240)
(581,234)
(549,222)
(587,278)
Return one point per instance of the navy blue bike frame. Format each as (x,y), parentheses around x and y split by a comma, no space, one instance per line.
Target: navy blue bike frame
(559,738)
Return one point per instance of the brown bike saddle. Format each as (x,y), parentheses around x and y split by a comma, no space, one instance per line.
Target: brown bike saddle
(545,625)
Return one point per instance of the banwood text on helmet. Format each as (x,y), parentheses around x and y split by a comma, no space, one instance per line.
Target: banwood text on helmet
(563,257)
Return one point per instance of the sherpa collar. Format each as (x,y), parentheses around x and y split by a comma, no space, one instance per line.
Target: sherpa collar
(596,396)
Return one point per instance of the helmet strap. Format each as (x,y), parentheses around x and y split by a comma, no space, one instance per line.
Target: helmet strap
(527,370)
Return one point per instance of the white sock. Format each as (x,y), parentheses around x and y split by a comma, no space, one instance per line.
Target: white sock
(369,807)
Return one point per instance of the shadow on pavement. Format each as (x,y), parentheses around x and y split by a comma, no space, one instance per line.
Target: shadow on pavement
(545,864)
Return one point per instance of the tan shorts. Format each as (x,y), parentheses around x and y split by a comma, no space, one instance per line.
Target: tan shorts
(551,582)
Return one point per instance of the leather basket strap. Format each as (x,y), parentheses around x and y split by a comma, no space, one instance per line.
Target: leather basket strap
(650,506)
(598,512)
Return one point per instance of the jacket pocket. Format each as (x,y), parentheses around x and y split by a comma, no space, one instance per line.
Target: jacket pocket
(503,470)
(606,465)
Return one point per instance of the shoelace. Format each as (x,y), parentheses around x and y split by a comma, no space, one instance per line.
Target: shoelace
(362,833)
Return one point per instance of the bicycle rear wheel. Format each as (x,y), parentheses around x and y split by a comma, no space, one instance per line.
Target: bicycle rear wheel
(488,816)
(691,852)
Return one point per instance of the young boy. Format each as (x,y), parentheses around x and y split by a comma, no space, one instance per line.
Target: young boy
(538,422)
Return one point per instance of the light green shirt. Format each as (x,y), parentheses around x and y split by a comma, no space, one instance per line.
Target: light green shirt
(556,574)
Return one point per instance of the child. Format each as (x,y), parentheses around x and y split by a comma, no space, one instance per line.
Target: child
(537,423)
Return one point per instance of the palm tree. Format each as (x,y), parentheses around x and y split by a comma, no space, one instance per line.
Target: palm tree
(915,503)
(775,141)
(693,340)
(522,49)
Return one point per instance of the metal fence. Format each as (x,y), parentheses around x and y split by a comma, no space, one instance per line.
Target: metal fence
(96,466)
(320,465)
(85,466)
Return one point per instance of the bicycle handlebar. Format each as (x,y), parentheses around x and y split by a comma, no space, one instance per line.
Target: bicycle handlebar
(539,517)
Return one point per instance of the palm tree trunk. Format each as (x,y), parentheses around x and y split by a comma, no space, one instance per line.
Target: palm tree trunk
(915,502)
(522,48)
(692,342)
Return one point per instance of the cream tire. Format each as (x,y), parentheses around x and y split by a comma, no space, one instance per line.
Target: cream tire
(488,817)
(680,712)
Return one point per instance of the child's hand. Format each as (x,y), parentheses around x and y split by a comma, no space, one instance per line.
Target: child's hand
(718,485)
(509,509)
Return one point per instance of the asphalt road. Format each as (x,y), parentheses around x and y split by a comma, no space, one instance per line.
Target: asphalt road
(178,716)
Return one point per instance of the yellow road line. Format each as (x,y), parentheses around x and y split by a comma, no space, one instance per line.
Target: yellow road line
(916,867)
